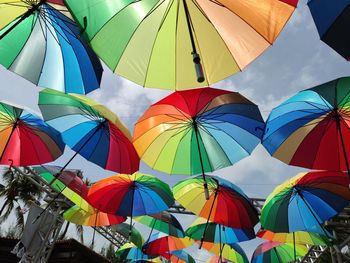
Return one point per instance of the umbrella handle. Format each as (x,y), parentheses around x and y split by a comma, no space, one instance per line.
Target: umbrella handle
(206,191)
(198,67)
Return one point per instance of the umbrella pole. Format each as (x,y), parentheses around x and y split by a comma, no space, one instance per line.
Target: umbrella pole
(196,57)
(206,225)
(131,210)
(9,138)
(23,17)
(337,118)
(150,233)
(205,185)
(294,248)
(278,256)
(220,255)
(93,236)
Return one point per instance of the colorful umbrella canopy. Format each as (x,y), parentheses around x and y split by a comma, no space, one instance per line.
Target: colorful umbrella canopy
(216,259)
(277,252)
(180,256)
(196,131)
(217,233)
(311,128)
(332,21)
(81,217)
(227,204)
(44,46)
(306,201)
(187,42)
(230,252)
(131,252)
(163,222)
(135,237)
(25,139)
(299,237)
(66,182)
(160,244)
(90,129)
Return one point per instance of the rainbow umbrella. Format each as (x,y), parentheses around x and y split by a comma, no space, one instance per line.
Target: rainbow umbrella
(332,21)
(311,129)
(80,216)
(90,129)
(216,259)
(123,229)
(175,44)
(230,252)
(25,139)
(131,195)
(305,201)
(131,252)
(198,131)
(44,46)
(180,256)
(163,245)
(217,233)
(163,222)
(277,252)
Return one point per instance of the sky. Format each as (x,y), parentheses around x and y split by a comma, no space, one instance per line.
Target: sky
(297,60)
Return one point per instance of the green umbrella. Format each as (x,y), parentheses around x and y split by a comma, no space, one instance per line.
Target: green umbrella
(135,237)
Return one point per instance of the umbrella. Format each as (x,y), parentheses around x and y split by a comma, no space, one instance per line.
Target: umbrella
(90,129)
(216,259)
(311,128)
(180,256)
(278,252)
(131,252)
(131,195)
(198,131)
(176,44)
(332,22)
(135,237)
(160,244)
(25,139)
(305,201)
(44,46)
(217,233)
(163,222)
(231,252)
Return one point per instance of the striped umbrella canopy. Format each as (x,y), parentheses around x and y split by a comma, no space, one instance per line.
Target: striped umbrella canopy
(278,252)
(44,46)
(311,129)
(174,44)
(80,216)
(181,256)
(217,233)
(227,252)
(332,21)
(306,201)
(90,129)
(163,222)
(123,229)
(130,251)
(25,139)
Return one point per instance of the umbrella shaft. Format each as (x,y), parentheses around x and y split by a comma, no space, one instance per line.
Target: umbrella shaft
(206,225)
(189,24)
(8,141)
(295,251)
(343,145)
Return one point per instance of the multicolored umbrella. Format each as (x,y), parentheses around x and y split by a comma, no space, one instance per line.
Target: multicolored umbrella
(131,195)
(216,259)
(231,252)
(25,139)
(277,252)
(123,229)
(175,44)
(227,204)
(198,131)
(217,233)
(81,217)
(311,129)
(305,202)
(163,222)
(131,252)
(180,256)
(90,129)
(44,46)
(332,22)
(160,244)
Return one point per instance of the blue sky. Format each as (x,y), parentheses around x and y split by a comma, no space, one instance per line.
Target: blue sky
(297,60)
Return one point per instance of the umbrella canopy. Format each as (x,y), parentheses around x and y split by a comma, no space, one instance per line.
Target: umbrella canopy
(44,46)
(216,259)
(217,233)
(163,222)
(131,195)
(230,252)
(123,229)
(25,139)
(299,237)
(131,252)
(311,128)
(332,21)
(306,201)
(160,244)
(197,131)
(180,256)
(278,252)
(66,182)
(81,217)
(227,204)
(173,44)
(90,129)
